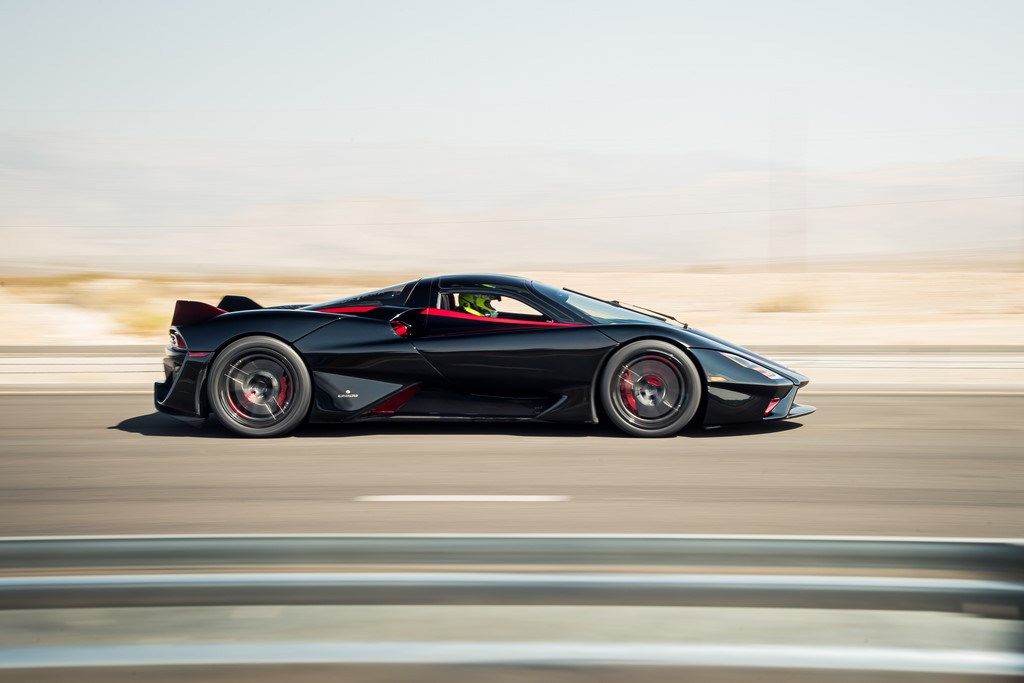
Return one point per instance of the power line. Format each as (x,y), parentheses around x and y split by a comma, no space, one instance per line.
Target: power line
(523,220)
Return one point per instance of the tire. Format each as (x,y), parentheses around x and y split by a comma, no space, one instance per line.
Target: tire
(650,388)
(259,386)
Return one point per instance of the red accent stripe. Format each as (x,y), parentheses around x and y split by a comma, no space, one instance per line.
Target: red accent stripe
(348,309)
(442,313)
(391,405)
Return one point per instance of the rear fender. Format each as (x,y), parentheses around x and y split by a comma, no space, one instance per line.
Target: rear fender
(286,325)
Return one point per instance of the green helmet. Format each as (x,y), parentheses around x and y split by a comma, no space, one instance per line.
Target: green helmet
(478,304)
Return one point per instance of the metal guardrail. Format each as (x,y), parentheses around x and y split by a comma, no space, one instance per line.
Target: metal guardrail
(991,557)
(993,598)
(939,575)
(946,577)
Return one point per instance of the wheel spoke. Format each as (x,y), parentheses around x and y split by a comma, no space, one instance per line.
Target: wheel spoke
(242,372)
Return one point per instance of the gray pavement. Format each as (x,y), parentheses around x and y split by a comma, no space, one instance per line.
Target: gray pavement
(897,465)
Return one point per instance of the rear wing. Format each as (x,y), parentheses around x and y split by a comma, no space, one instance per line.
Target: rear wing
(192,312)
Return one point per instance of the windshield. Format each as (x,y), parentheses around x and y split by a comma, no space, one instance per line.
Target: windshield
(596,309)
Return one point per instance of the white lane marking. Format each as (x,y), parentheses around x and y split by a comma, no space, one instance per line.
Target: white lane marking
(77,392)
(460,499)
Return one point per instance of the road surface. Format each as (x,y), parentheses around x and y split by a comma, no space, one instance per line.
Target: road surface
(948,464)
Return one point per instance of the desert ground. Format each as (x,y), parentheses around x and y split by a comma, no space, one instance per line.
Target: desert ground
(852,305)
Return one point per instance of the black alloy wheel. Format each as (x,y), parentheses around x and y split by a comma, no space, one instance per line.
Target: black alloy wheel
(259,386)
(650,388)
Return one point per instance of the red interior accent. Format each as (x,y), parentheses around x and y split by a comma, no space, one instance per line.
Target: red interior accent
(347,309)
(400,328)
(391,405)
(442,313)
(191,312)
(771,405)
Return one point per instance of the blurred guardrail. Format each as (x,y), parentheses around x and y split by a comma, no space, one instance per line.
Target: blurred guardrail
(955,584)
(996,368)
(505,571)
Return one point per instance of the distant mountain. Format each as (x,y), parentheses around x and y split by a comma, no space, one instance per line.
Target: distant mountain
(75,201)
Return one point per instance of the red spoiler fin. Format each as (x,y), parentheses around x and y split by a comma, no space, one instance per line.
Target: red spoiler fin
(192,312)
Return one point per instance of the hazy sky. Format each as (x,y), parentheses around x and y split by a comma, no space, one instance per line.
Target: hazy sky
(97,94)
(877,81)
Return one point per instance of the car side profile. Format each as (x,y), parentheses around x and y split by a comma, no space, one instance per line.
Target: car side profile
(462,347)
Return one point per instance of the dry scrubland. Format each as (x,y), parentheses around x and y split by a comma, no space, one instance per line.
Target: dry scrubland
(849,306)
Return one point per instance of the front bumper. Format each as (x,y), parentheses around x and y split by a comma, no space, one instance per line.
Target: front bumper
(788,407)
(737,394)
(181,393)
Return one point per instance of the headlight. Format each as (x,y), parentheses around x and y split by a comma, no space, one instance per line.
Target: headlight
(770,374)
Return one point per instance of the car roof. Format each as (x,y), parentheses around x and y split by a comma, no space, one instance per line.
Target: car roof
(481,279)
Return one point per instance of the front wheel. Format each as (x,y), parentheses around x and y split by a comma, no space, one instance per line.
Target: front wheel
(650,388)
(259,386)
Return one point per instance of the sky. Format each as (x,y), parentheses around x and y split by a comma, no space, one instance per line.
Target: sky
(384,129)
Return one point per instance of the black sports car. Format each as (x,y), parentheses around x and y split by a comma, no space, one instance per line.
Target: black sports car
(462,347)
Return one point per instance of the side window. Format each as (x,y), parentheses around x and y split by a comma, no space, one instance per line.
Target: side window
(509,306)
(492,305)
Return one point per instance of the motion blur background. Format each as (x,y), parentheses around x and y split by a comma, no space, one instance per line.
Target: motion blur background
(839,185)
(784,172)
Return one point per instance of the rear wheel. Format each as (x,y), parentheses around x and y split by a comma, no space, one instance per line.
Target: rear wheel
(650,388)
(259,386)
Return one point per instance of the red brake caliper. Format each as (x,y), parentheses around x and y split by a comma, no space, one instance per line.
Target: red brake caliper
(283,395)
(626,390)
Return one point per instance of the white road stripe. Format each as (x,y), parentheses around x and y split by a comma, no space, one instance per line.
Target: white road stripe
(460,499)
(77,392)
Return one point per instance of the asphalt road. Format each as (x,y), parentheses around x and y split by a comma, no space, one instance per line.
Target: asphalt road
(918,465)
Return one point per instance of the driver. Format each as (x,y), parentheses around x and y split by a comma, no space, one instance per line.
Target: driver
(478,304)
